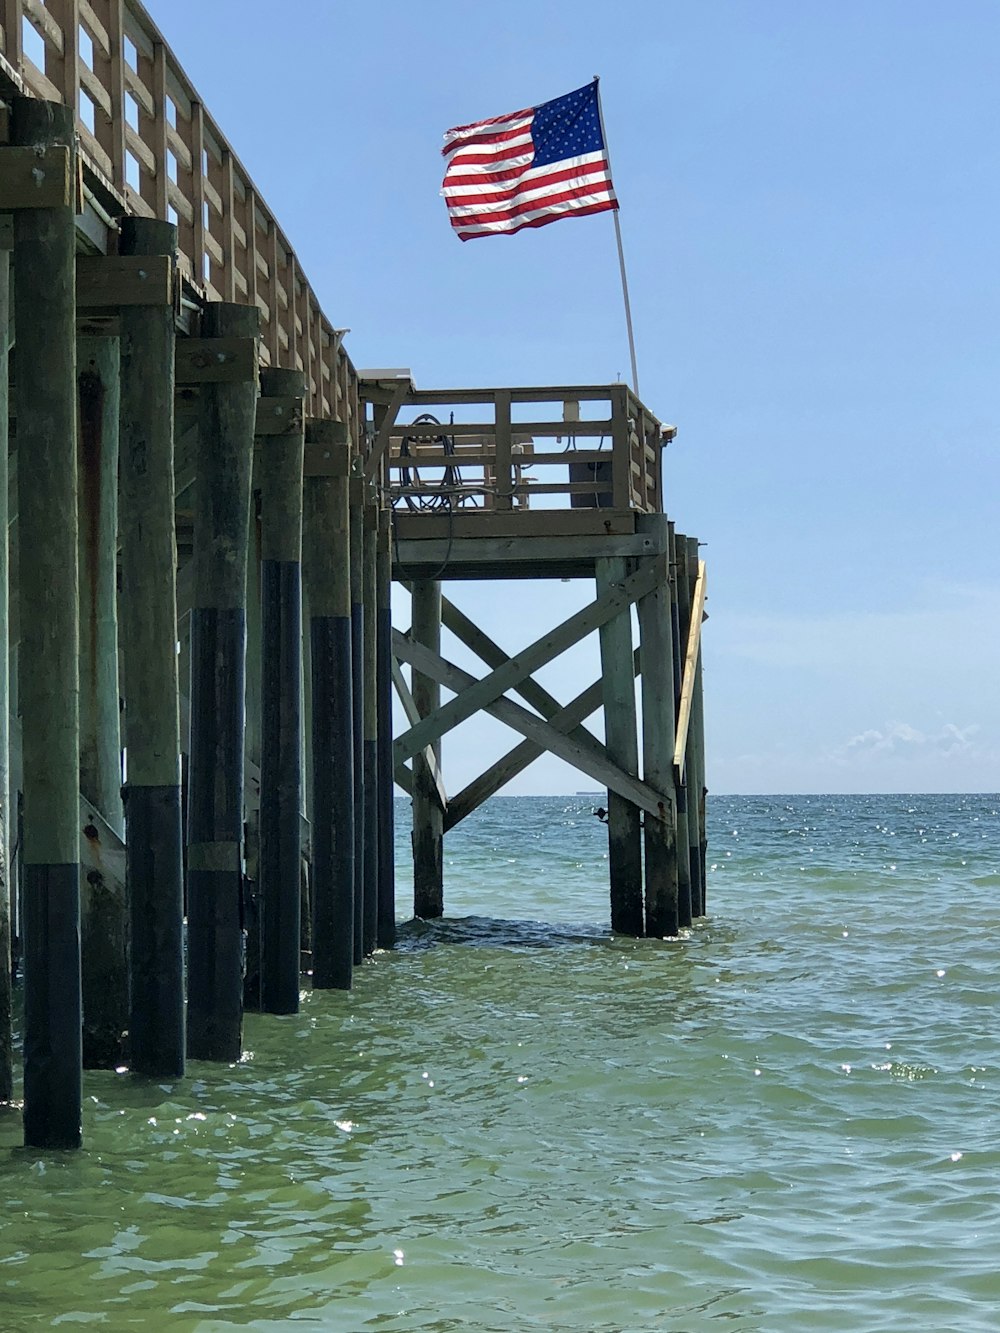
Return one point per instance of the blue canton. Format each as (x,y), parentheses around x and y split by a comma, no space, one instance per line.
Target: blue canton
(567,127)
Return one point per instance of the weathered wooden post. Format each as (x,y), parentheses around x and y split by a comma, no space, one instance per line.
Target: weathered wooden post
(280,863)
(148,634)
(253,721)
(104,910)
(658,728)
(327,559)
(697,838)
(358,687)
(682,612)
(428,817)
(372,803)
(225,358)
(386,934)
(6,1032)
(45,322)
(624,834)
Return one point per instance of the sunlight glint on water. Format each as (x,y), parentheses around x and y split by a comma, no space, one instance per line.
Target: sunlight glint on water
(785,1120)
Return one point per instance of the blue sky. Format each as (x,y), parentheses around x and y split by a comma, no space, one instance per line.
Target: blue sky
(810,206)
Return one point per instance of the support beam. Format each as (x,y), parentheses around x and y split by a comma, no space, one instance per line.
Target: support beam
(154,862)
(103,905)
(601,769)
(615,598)
(657,681)
(428,817)
(403,774)
(327,568)
(280,822)
(624,836)
(372,805)
(681,610)
(386,931)
(45,318)
(695,757)
(218,664)
(6,993)
(356,549)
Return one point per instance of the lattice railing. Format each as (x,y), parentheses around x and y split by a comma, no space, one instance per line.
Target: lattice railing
(146,135)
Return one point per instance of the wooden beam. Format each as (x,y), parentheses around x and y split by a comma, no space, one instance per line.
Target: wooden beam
(216,360)
(123,280)
(478,694)
(37,178)
(515,761)
(543,733)
(413,715)
(381,443)
(690,669)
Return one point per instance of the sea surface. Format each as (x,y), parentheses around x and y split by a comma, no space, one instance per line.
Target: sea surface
(788,1119)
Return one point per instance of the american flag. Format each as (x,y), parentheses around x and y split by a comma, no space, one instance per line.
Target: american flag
(529,168)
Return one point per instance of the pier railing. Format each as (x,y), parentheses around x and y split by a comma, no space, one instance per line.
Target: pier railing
(581,447)
(149,144)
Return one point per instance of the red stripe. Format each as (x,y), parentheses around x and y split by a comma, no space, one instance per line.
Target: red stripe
(493,120)
(528,206)
(536,183)
(483,159)
(453,177)
(537,222)
(498,136)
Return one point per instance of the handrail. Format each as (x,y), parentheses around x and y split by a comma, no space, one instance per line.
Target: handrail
(690,670)
(146,137)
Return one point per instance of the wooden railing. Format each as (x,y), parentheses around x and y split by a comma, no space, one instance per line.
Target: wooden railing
(146,137)
(588,447)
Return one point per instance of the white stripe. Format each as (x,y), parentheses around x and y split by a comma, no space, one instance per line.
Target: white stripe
(487,168)
(457,137)
(584,160)
(554,210)
(593,178)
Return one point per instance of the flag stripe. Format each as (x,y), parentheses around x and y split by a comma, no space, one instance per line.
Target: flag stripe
(528,168)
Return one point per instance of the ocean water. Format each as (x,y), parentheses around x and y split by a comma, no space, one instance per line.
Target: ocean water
(786,1120)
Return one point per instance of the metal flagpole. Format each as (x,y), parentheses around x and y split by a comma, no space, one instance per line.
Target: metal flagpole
(621,252)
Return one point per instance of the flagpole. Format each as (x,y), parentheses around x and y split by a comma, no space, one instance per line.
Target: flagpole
(621,251)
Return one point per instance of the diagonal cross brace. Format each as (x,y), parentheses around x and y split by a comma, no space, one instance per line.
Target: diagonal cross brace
(474,695)
(430,758)
(517,760)
(598,767)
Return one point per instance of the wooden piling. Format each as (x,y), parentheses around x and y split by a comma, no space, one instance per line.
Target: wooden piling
(148,634)
(371,760)
(6,997)
(328,580)
(697,838)
(103,905)
(428,817)
(624,840)
(358,687)
(682,613)
(658,729)
(386,933)
(280,863)
(218,664)
(45,316)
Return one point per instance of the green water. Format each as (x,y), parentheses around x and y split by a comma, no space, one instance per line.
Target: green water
(786,1120)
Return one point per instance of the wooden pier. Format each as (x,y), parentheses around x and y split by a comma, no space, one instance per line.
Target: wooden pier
(204,507)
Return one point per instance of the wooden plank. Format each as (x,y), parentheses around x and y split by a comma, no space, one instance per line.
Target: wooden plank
(529,429)
(523,523)
(690,669)
(123,280)
(612,602)
(515,761)
(504,478)
(543,733)
(413,715)
(37,178)
(381,443)
(216,360)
